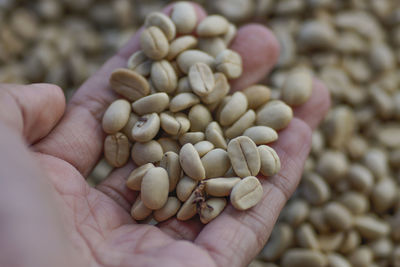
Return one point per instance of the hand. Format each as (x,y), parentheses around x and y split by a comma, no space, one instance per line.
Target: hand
(50,216)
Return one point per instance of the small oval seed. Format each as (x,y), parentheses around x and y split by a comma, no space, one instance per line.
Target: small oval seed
(180,45)
(214,135)
(185,187)
(188,209)
(191,162)
(216,163)
(163,77)
(299,257)
(337,216)
(270,162)
(191,137)
(146,128)
(229,63)
(214,206)
(169,144)
(139,211)
(170,162)
(201,79)
(233,109)
(221,89)
(244,156)
(155,103)
(183,101)
(190,57)
(257,95)
(275,114)
(154,188)
(184,16)
(246,193)
(199,117)
(127,130)
(243,123)
(134,181)
(150,152)
(154,43)
(213,25)
(116,149)
(220,187)
(163,22)
(261,135)
(297,87)
(212,45)
(168,210)
(203,147)
(129,84)
(116,116)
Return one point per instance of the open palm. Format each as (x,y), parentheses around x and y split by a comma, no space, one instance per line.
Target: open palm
(77,225)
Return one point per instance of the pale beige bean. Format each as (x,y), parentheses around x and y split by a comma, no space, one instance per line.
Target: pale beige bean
(150,152)
(307,237)
(190,57)
(184,86)
(163,77)
(257,95)
(129,84)
(146,128)
(220,90)
(116,149)
(214,207)
(243,123)
(170,208)
(199,117)
(356,202)
(201,79)
(127,130)
(299,257)
(332,166)
(134,181)
(191,162)
(297,87)
(180,45)
(212,45)
(314,189)
(384,194)
(188,209)
(261,135)
(330,242)
(230,34)
(381,248)
(155,103)
(213,25)
(370,227)
(220,187)
(351,241)
(163,22)
(154,188)
(275,114)
(184,16)
(214,135)
(191,137)
(377,162)
(139,211)
(203,147)
(174,124)
(154,43)
(338,216)
(229,63)
(185,187)
(216,163)
(361,257)
(280,240)
(170,162)
(140,63)
(235,107)
(183,101)
(246,193)
(116,116)
(244,156)
(360,178)
(296,212)
(337,260)
(169,144)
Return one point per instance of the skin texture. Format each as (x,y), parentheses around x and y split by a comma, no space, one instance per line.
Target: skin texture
(49,216)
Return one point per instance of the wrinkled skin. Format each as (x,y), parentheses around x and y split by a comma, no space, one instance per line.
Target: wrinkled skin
(50,216)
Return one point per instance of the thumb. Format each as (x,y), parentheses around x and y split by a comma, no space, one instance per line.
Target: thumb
(32,110)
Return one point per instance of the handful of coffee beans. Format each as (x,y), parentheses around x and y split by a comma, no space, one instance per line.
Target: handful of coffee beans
(195,145)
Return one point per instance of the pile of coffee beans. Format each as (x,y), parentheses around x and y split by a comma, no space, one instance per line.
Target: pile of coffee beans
(194,144)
